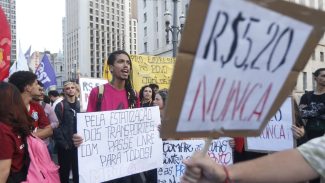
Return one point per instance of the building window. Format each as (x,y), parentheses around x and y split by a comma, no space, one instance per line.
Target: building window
(304,80)
(157,43)
(157,28)
(144,3)
(313,56)
(186,9)
(302,2)
(320,4)
(145,31)
(321,56)
(145,17)
(145,47)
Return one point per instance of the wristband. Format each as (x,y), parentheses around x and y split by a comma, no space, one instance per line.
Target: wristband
(227,180)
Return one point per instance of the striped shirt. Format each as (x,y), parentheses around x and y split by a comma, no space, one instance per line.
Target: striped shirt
(314,153)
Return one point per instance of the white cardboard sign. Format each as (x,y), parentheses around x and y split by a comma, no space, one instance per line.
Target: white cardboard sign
(86,84)
(118,143)
(244,56)
(175,151)
(277,135)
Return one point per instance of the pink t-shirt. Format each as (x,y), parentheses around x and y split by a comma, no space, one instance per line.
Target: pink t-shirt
(113,99)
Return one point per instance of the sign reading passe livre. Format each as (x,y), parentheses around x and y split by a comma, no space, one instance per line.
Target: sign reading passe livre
(118,143)
(244,66)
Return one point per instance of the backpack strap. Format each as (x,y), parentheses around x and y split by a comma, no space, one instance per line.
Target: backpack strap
(62,108)
(100,97)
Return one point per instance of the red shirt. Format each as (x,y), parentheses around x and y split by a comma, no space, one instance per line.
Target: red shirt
(36,111)
(12,147)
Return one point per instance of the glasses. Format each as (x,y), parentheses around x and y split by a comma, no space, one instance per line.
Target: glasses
(68,88)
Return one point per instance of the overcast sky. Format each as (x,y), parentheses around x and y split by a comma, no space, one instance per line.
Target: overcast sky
(39,24)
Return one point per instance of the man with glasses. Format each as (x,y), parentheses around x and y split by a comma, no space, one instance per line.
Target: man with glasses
(66,112)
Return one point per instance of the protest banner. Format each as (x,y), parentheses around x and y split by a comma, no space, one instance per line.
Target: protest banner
(118,143)
(149,69)
(86,84)
(152,69)
(5,46)
(277,134)
(44,72)
(175,151)
(236,65)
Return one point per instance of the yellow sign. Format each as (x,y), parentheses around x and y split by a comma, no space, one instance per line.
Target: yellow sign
(147,70)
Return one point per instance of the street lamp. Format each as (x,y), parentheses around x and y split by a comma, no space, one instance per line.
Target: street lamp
(174,29)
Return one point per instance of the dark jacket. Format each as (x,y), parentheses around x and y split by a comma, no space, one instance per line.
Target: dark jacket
(67,124)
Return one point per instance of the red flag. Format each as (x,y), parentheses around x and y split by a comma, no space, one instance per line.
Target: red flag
(5,46)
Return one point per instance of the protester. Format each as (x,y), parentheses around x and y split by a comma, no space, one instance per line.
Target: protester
(55,97)
(312,110)
(66,112)
(160,101)
(49,111)
(295,165)
(26,82)
(15,125)
(312,107)
(154,87)
(147,96)
(50,114)
(117,94)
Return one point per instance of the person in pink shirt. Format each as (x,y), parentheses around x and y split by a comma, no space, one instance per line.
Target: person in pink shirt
(118,94)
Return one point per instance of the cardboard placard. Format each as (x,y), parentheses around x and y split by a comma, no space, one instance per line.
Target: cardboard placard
(175,151)
(277,134)
(118,143)
(86,84)
(236,65)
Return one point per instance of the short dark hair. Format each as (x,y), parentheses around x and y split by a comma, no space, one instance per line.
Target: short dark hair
(153,86)
(40,83)
(317,72)
(164,95)
(21,79)
(53,93)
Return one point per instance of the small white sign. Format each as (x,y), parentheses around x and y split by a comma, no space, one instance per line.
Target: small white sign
(277,135)
(175,151)
(86,84)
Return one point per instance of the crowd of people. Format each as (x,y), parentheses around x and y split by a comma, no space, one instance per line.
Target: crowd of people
(26,110)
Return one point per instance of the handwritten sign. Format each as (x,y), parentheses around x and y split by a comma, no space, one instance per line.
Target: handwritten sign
(175,151)
(243,68)
(150,69)
(118,143)
(86,84)
(277,135)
